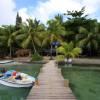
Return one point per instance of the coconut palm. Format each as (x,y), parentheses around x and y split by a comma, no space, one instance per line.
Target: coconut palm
(3,45)
(9,37)
(88,40)
(55,30)
(31,34)
(68,50)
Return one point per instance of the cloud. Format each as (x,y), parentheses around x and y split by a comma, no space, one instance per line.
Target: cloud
(45,10)
(91,5)
(7,12)
(24,14)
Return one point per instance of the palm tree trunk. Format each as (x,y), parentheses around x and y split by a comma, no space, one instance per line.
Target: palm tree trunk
(51,40)
(34,47)
(51,52)
(10,52)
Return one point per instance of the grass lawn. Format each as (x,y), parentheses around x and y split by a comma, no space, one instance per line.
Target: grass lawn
(84,81)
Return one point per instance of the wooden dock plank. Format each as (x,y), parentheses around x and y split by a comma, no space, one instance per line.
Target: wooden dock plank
(51,85)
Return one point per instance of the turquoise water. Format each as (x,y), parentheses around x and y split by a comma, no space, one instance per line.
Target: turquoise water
(9,93)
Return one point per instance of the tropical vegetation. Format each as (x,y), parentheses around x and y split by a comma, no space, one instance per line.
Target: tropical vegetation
(68,50)
(71,28)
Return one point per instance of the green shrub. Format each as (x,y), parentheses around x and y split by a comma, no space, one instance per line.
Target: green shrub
(36,57)
(60,58)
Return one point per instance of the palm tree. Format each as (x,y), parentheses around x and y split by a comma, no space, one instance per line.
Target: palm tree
(88,40)
(55,30)
(3,45)
(9,37)
(31,35)
(68,50)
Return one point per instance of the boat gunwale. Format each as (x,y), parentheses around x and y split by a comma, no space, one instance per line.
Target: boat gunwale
(15,82)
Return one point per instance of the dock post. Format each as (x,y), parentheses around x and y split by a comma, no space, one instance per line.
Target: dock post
(37,82)
(66,82)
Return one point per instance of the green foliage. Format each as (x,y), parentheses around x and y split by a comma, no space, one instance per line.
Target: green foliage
(77,14)
(32,34)
(77,28)
(60,58)
(36,57)
(9,37)
(69,50)
(55,28)
(18,22)
(88,40)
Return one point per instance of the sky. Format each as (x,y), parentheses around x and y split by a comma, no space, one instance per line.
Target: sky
(44,10)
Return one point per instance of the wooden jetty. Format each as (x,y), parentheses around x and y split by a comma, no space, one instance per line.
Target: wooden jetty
(50,85)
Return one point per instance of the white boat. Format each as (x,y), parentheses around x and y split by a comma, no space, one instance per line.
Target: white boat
(26,81)
(6,61)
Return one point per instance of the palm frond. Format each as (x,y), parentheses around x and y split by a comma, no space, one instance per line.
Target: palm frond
(82,43)
(45,41)
(61,50)
(20,37)
(71,46)
(9,42)
(76,51)
(37,41)
(82,30)
(26,42)
(68,50)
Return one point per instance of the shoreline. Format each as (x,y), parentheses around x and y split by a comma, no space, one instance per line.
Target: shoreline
(92,61)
